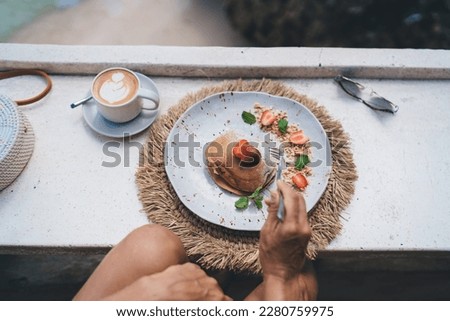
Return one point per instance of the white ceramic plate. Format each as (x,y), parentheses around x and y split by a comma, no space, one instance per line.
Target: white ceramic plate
(111,129)
(220,113)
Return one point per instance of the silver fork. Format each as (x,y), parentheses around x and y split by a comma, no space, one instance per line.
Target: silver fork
(278,154)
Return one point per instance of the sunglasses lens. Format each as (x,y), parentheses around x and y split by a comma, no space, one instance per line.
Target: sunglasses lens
(366,95)
(350,87)
(379,103)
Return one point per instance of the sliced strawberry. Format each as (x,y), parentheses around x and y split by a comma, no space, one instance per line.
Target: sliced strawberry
(237,152)
(248,150)
(267,118)
(300,181)
(299,138)
(252,155)
(247,154)
(237,149)
(242,142)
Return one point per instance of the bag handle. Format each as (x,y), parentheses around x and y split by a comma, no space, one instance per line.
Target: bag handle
(29,72)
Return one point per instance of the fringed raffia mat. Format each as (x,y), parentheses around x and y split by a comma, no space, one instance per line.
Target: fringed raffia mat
(216,247)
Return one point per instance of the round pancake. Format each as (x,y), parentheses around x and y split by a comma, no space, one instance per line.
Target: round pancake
(227,171)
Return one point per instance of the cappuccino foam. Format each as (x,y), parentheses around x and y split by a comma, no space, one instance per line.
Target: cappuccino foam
(115,87)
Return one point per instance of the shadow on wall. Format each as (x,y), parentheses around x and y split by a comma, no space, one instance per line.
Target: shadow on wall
(343,23)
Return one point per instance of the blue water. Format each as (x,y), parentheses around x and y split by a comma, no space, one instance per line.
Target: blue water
(16,13)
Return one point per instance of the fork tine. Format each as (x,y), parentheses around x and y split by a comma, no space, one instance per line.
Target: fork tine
(274,152)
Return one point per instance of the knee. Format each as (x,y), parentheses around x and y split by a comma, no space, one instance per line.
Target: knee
(155,240)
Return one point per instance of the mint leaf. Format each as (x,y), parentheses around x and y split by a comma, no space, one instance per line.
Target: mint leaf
(258,201)
(256,197)
(248,118)
(255,193)
(242,203)
(301,162)
(282,125)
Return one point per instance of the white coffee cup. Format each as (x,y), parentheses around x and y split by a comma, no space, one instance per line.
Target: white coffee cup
(119,95)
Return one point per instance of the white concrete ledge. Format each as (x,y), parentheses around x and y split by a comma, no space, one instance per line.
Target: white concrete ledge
(67,200)
(214,62)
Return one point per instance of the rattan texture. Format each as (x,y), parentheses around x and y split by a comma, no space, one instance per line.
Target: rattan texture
(16,141)
(216,247)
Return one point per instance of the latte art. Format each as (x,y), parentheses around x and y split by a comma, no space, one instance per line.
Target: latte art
(115,87)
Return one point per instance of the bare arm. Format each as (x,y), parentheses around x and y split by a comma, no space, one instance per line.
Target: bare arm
(286,273)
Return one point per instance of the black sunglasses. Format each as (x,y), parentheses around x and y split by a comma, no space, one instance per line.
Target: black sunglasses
(366,95)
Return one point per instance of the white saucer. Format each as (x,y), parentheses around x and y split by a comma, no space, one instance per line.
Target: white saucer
(108,128)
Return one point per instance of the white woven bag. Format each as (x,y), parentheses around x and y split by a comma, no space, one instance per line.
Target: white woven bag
(16,133)
(16,141)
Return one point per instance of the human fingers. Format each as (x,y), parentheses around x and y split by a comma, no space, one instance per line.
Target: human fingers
(206,285)
(294,204)
(272,207)
(296,216)
(192,267)
(213,290)
(202,288)
(303,214)
(186,271)
(198,288)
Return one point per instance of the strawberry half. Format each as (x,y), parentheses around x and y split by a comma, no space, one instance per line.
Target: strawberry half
(300,181)
(248,150)
(248,154)
(237,152)
(299,138)
(267,118)
(251,153)
(237,149)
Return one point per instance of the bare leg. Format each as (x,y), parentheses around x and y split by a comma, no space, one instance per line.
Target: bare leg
(147,250)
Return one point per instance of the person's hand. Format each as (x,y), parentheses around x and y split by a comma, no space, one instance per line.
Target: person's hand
(186,282)
(282,244)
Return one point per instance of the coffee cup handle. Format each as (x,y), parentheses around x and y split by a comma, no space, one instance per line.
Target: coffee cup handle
(150,95)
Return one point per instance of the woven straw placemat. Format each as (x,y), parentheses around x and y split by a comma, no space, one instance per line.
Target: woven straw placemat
(215,247)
